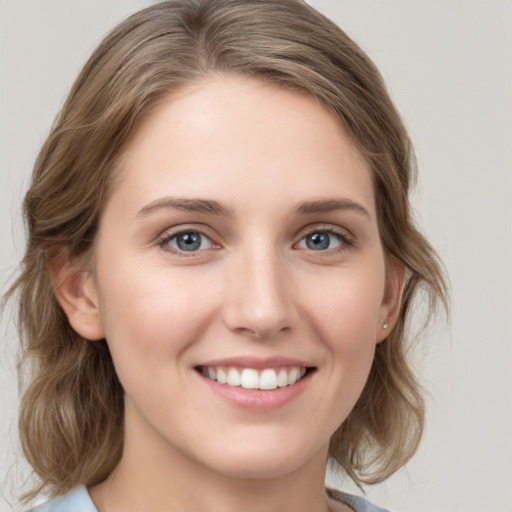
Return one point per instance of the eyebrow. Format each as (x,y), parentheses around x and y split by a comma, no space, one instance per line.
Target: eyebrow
(330,205)
(216,208)
(188,205)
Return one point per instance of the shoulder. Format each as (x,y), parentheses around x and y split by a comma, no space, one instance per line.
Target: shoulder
(354,502)
(77,500)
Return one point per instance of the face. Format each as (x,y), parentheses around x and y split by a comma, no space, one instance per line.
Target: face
(239,279)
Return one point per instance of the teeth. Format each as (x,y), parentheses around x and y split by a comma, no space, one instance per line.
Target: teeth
(221,376)
(293,376)
(250,378)
(282,379)
(268,379)
(233,378)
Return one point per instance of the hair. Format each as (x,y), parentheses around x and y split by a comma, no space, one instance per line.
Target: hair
(71,416)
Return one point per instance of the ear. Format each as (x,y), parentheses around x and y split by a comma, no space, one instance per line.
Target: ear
(392,300)
(75,291)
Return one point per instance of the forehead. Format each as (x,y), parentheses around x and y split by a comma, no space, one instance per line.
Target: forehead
(229,133)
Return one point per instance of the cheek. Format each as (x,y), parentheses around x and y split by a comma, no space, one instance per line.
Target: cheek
(345,315)
(347,306)
(152,315)
(341,313)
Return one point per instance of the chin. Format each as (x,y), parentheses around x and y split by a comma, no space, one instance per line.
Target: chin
(264,461)
(266,470)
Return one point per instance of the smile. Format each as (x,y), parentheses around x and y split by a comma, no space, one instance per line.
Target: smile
(250,378)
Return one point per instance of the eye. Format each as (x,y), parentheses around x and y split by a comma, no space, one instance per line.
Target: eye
(323,240)
(187,241)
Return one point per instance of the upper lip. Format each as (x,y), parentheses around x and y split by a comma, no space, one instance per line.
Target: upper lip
(257,363)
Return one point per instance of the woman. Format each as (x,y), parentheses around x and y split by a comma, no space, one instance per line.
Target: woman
(220,266)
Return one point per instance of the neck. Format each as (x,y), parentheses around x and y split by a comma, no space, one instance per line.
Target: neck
(157,477)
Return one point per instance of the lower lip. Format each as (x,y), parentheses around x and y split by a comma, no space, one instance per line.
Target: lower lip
(257,399)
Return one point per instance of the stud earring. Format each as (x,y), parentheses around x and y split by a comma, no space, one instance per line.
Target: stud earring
(385,326)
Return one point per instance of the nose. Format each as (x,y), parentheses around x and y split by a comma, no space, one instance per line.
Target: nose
(259,296)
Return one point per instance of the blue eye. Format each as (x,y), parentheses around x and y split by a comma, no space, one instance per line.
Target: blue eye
(188,241)
(321,240)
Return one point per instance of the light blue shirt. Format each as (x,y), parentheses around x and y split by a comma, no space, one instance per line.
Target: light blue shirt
(79,500)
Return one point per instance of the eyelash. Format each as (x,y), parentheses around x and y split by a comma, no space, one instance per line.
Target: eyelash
(345,240)
(168,237)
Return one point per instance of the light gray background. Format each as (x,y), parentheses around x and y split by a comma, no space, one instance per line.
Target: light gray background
(448,64)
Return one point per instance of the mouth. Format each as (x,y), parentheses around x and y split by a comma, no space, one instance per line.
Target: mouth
(252,378)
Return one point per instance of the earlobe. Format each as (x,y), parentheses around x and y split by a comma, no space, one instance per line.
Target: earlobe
(76,293)
(392,300)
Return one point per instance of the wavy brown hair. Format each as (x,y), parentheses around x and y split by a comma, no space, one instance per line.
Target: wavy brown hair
(71,416)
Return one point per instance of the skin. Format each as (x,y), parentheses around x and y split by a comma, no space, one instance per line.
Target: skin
(254,288)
